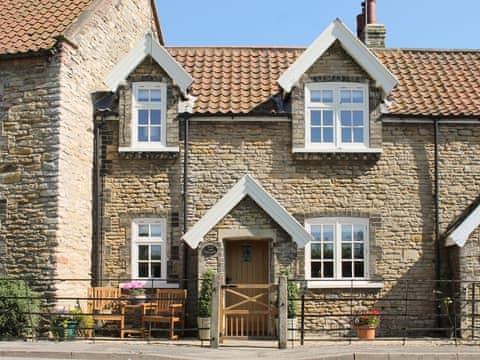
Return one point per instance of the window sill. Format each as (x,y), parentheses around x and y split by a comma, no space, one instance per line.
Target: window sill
(162,284)
(359,150)
(344,284)
(152,149)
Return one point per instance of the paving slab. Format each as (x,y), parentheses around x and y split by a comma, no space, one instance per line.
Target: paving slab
(193,349)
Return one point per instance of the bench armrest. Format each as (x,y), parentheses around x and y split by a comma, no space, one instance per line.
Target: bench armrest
(148,306)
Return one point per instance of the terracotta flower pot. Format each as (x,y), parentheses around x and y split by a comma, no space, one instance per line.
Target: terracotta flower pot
(366,332)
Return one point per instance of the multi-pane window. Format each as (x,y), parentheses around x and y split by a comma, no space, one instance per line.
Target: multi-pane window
(148,249)
(336,115)
(338,249)
(149,112)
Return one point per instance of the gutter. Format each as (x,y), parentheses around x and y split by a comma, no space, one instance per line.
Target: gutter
(97,208)
(438,268)
(186,132)
(437,199)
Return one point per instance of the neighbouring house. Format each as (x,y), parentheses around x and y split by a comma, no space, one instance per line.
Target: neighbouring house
(352,165)
(53,57)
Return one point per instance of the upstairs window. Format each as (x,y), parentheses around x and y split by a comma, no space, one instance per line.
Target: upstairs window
(149,108)
(336,115)
(338,250)
(149,249)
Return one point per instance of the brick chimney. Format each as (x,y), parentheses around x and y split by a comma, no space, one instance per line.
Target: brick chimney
(371,33)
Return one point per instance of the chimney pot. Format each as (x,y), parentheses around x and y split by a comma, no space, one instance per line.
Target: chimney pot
(371,11)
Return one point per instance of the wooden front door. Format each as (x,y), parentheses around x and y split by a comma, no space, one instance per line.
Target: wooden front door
(248,308)
(247,262)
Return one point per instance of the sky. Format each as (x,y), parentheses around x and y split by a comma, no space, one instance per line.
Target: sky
(409,23)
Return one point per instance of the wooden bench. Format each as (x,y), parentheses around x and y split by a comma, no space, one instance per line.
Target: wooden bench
(167,307)
(104,304)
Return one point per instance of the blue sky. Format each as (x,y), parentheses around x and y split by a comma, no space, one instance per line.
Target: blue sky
(409,23)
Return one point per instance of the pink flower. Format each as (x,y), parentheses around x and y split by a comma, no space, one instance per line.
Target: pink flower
(134,285)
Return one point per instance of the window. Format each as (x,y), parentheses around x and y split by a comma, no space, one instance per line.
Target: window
(339,249)
(336,115)
(149,249)
(149,108)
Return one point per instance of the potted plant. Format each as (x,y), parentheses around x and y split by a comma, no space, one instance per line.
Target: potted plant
(63,324)
(87,325)
(135,291)
(205,305)
(366,323)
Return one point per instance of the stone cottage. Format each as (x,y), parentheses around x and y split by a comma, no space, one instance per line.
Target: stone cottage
(53,57)
(351,165)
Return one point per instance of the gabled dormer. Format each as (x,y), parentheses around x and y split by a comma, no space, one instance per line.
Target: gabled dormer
(337,86)
(150,86)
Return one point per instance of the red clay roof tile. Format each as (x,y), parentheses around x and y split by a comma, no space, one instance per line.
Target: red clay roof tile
(434,82)
(233,80)
(32,25)
(237,80)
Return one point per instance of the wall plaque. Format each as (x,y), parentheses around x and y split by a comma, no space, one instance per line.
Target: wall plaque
(209,250)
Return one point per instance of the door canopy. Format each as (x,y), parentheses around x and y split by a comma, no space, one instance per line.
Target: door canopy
(247,186)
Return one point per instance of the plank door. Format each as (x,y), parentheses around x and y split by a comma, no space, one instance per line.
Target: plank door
(247,309)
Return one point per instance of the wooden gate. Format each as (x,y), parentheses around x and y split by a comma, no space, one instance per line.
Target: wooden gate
(248,311)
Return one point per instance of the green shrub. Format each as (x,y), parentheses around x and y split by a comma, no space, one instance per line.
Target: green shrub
(292,295)
(19,309)
(205,298)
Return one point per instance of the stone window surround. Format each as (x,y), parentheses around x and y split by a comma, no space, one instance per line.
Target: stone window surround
(3,211)
(371,255)
(150,282)
(336,107)
(148,85)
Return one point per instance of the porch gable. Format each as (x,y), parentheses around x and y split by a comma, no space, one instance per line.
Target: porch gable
(247,185)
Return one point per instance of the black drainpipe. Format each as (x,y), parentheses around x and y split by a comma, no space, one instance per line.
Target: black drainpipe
(97,253)
(438,268)
(185,196)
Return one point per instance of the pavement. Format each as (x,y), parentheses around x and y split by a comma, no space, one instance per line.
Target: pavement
(193,349)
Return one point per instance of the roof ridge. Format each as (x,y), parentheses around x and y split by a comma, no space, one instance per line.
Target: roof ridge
(426,49)
(236,47)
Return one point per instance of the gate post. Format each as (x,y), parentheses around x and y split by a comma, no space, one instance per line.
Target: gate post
(282,312)
(216,304)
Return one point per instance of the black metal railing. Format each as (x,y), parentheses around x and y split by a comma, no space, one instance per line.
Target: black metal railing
(409,308)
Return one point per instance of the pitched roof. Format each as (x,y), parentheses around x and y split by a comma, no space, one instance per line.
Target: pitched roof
(434,82)
(360,53)
(461,229)
(28,26)
(148,46)
(233,79)
(237,80)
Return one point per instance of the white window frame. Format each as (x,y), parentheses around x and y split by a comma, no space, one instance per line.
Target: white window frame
(336,107)
(337,281)
(162,241)
(160,105)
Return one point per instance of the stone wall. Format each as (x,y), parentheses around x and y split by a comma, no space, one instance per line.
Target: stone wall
(335,66)
(102,38)
(148,70)
(29,99)
(465,262)
(394,190)
(248,217)
(46,141)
